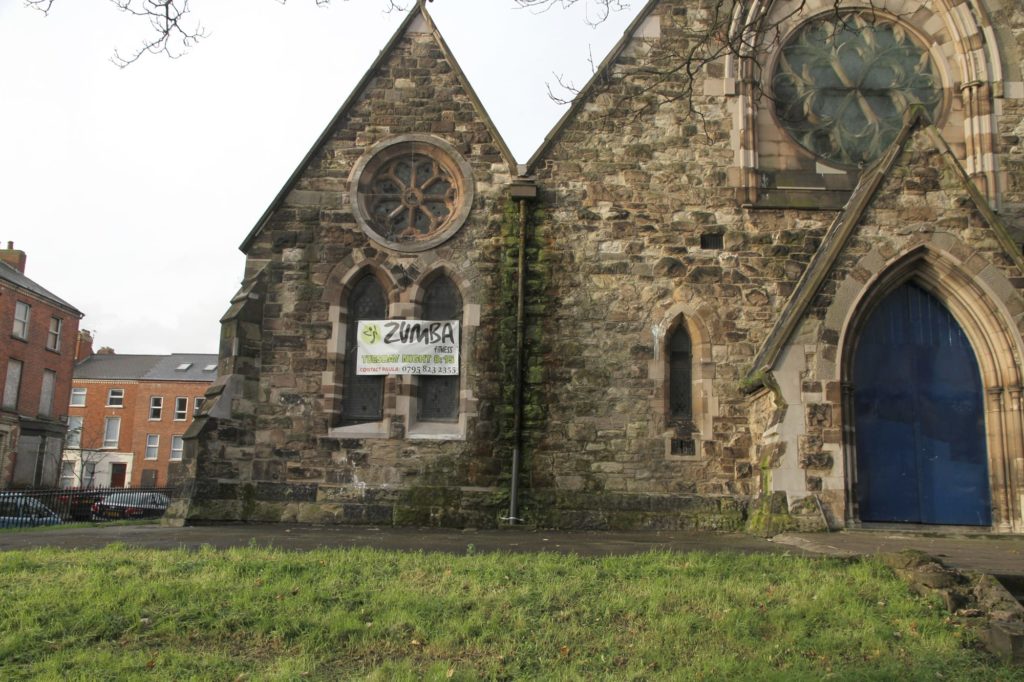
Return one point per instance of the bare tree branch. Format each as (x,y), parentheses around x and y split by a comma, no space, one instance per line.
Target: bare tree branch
(165,17)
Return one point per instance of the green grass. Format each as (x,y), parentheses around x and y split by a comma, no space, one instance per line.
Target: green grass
(124,613)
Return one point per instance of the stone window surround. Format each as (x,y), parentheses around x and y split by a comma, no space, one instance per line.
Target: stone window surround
(961,45)
(704,404)
(400,406)
(427,145)
(918,38)
(975,300)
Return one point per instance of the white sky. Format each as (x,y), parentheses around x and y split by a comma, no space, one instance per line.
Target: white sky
(130,190)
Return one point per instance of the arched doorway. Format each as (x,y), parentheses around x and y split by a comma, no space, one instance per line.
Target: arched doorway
(921,453)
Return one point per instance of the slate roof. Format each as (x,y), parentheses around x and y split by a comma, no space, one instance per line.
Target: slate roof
(14,276)
(149,367)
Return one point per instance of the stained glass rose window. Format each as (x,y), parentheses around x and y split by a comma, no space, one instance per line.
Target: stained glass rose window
(411,193)
(844,80)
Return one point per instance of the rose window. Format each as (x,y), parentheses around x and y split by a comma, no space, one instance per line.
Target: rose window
(411,193)
(844,81)
(411,197)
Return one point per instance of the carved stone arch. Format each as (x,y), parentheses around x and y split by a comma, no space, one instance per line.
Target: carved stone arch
(997,347)
(444,268)
(421,425)
(704,402)
(958,35)
(337,291)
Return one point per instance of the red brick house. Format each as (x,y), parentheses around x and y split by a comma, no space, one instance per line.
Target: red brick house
(128,414)
(38,333)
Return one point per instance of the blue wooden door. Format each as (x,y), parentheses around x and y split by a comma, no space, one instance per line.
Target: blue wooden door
(918,417)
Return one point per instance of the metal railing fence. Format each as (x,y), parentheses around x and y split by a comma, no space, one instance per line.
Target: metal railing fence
(49,507)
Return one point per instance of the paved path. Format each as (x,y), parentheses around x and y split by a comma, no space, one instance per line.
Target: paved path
(996,554)
(1000,555)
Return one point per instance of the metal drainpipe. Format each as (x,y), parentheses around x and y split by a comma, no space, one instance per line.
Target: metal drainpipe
(522,191)
(517,422)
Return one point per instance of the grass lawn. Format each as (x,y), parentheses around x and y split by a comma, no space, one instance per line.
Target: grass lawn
(253,614)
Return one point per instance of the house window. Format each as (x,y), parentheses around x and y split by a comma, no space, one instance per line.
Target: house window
(363,397)
(67,474)
(22,313)
(88,474)
(115,397)
(680,377)
(148,479)
(152,446)
(198,406)
(46,392)
(438,396)
(156,407)
(111,432)
(12,386)
(78,397)
(73,439)
(177,448)
(53,335)
(180,409)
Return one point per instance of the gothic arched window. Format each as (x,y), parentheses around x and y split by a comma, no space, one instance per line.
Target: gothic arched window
(362,396)
(438,396)
(680,377)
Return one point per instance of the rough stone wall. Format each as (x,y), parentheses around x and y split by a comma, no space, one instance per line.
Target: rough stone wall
(628,192)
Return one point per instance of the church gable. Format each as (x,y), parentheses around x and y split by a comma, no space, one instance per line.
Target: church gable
(414,87)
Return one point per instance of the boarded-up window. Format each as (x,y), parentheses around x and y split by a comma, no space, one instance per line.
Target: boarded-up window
(680,377)
(438,396)
(362,396)
(148,478)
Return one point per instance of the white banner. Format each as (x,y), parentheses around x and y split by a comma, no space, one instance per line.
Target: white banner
(407,347)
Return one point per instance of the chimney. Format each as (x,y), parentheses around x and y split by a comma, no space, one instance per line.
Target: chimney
(13,257)
(83,349)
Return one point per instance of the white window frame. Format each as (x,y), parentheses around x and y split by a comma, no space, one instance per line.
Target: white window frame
(177,448)
(156,406)
(197,405)
(78,392)
(180,408)
(22,319)
(73,437)
(46,390)
(115,394)
(12,383)
(152,446)
(53,334)
(111,432)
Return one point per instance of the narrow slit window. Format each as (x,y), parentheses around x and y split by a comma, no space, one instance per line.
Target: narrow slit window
(680,377)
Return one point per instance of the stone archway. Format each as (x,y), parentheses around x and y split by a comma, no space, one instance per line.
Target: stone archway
(983,325)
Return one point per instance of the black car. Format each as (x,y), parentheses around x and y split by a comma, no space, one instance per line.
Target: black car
(21,511)
(130,505)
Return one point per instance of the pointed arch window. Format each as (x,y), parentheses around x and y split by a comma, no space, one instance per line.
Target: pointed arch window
(680,377)
(362,396)
(438,396)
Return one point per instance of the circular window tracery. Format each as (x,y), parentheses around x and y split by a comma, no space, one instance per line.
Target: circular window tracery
(843,82)
(411,193)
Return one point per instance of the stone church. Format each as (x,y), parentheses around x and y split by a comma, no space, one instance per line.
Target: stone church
(764,273)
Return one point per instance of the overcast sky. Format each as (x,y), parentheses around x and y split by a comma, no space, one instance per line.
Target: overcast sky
(131,189)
